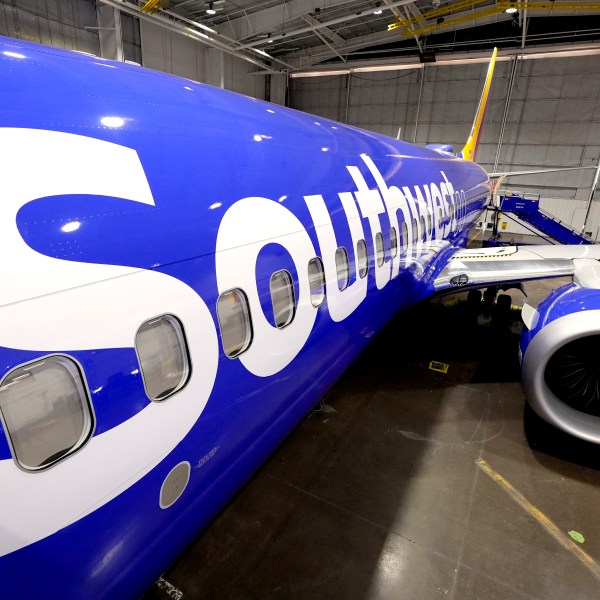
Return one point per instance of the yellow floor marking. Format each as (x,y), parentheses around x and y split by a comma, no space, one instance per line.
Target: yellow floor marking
(541,518)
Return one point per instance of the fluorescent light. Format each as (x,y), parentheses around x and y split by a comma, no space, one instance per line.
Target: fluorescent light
(563,53)
(593,51)
(470,61)
(398,67)
(377,12)
(319,73)
(211,11)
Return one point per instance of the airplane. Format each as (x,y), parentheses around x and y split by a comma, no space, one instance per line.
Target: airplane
(187,271)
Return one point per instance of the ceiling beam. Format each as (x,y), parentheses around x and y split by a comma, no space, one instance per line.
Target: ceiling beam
(311,28)
(185,31)
(272,19)
(329,33)
(318,54)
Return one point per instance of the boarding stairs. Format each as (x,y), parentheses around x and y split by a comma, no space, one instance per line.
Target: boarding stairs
(528,212)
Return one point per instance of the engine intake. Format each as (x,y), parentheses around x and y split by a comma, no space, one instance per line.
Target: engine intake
(561,362)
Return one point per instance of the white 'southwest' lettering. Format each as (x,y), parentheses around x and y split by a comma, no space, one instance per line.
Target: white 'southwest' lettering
(342,303)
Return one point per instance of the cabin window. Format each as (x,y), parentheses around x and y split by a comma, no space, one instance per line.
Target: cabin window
(234,322)
(362,257)
(46,411)
(404,237)
(342,268)
(163,355)
(282,298)
(393,242)
(316,281)
(379,250)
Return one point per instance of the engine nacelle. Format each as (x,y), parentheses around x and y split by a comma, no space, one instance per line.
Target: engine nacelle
(560,356)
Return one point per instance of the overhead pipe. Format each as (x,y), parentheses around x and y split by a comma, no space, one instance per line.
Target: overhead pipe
(335,21)
(187,32)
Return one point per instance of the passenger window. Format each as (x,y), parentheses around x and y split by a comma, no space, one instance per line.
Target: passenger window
(342,267)
(234,322)
(316,281)
(379,251)
(282,298)
(46,411)
(362,258)
(163,355)
(393,242)
(404,237)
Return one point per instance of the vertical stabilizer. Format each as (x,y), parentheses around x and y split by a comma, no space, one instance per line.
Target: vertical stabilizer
(470,149)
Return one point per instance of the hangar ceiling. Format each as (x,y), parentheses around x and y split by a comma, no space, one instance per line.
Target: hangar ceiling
(294,35)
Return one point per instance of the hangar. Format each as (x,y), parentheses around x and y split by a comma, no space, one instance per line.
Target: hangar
(243,353)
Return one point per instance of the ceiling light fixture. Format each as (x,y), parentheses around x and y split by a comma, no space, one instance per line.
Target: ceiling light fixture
(511,10)
(591,51)
(210,10)
(377,10)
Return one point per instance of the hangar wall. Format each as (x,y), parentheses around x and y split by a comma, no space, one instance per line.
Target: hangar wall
(62,23)
(553,119)
(167,51)
(57,23)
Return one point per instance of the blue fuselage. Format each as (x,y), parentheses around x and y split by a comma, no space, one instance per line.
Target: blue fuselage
(219,167)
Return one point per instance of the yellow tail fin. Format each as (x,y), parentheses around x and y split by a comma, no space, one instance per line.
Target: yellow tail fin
(470,149)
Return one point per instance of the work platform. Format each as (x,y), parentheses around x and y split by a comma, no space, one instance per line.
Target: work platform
(528,213)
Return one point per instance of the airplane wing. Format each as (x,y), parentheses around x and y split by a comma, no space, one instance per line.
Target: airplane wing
(480,267)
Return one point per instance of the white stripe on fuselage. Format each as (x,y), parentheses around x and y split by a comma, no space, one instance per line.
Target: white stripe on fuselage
(54,304)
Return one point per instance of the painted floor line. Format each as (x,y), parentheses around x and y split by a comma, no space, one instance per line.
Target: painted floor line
(541,518)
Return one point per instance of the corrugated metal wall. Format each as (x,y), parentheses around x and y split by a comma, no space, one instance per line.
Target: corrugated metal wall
(62,23)
(58,23)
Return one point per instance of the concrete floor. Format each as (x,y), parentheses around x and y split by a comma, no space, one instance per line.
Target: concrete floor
(379,494)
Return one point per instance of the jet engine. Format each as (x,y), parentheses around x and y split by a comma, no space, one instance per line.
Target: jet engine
(560,357)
